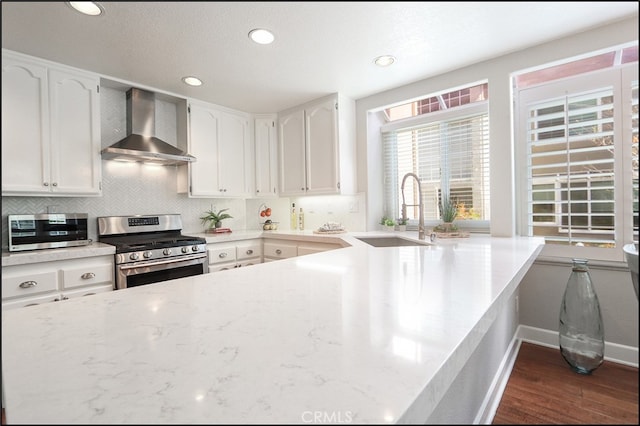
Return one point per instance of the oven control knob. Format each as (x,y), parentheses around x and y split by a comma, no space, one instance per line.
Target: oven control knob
(184,249)
(147,254)
(194,248)
(134,256)
(166,252)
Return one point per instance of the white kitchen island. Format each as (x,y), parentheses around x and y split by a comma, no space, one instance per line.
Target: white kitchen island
(352,335)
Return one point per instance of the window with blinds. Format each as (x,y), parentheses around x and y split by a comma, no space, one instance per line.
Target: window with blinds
(450,155)
(582,159)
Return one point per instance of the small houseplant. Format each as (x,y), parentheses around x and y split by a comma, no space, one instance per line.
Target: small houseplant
(448,213)
(214,219)
(402,224)
(388,223)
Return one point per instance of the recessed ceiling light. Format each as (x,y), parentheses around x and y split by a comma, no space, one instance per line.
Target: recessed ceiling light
(90,8)
(192,81)
(261,36)
(384,60)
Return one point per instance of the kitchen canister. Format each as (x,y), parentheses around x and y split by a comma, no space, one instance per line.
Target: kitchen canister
(581,329)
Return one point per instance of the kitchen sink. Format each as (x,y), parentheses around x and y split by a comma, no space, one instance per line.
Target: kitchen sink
(391,241)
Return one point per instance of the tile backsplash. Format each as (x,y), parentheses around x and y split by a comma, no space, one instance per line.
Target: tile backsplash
(134,188)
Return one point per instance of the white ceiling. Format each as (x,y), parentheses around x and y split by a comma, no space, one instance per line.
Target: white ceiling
(320,47)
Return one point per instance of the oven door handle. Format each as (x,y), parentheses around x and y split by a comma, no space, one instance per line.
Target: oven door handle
(160,262)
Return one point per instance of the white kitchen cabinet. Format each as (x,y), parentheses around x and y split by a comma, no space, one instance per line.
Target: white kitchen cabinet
(275,249)
(266,156)
(37,283)
(50,129)
(220,140)
(234,254)
(279,249)
(317,148)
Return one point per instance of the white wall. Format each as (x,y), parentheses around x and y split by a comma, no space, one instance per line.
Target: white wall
(543,286)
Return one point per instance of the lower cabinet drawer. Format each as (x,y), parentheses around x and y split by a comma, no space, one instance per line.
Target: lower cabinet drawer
(87,275)
(249,251)
(30,301)
(31,284)
(280,251)
(221,255)
(90,291)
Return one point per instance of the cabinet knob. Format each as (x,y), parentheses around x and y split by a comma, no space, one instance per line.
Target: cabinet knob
(257,190)
(45,183)
(249,251)
(278,251)
(55,184)
(88,275)
(28,284)
(222,255)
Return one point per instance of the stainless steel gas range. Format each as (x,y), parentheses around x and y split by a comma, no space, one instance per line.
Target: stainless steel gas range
(151,249)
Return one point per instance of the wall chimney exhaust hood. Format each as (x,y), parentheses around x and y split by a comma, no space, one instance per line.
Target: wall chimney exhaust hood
(141,143)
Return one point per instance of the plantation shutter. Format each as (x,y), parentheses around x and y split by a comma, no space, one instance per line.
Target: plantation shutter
(571,168)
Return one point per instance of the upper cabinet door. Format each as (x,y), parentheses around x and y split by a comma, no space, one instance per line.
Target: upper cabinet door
(322,148)
(75,133)
(266,157)
(25,127)
(234,150)
(291,131)
(204,124)
(50,129)
(317,148)
(221,142)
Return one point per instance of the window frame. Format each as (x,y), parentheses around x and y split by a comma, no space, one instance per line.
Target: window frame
(457,113)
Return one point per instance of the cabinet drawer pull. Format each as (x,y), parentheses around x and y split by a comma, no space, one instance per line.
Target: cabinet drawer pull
(222,255)
(278,251)
(28,284)
(249,251)
(88,275)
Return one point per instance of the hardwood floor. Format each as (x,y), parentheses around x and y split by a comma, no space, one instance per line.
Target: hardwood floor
(542,389)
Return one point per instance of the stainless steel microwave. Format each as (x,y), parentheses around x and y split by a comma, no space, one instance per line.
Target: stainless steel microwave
(47,230)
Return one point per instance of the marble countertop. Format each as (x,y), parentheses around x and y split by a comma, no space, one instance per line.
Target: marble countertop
(352,335)
(63,253)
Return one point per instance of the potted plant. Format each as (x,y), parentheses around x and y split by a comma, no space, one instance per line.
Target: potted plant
(214,219)
(387,223)
(448,213)
(402,225)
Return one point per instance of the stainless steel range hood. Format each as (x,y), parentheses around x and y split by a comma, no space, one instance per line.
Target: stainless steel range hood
(141,143)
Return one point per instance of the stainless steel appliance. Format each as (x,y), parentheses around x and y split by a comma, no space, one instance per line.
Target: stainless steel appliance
(47,230)
(140,144)
(151,249)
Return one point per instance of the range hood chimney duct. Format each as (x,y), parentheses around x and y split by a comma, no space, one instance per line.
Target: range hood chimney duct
(140,144)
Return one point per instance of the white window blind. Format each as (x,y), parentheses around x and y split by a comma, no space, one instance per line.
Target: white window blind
(450,156)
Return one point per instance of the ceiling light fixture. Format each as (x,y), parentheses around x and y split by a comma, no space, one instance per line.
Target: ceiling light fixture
(192,81)
(384,60)
(261,36)
(90,8)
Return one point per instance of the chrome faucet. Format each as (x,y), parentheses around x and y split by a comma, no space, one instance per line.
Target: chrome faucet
(421,233)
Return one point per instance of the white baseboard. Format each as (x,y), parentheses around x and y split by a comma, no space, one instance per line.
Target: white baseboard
(494,395)
(614,352)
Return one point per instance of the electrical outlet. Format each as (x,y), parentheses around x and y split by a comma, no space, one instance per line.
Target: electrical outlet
(353,207)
